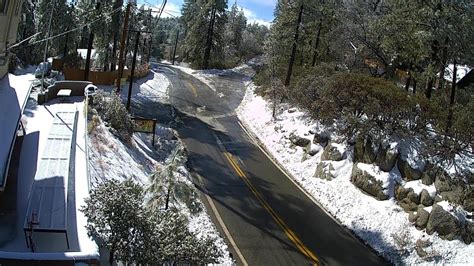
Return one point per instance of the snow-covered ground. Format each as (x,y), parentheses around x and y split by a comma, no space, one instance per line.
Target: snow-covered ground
(111,158)
(381,224)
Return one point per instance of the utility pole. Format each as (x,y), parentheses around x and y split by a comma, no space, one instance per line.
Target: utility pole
(175,45)
(46,45)
(130,85)
(122,44)
(132,73)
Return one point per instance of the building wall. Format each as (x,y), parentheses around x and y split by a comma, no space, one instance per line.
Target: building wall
(10,14)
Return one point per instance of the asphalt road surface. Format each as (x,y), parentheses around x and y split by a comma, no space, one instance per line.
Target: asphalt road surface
(265,217)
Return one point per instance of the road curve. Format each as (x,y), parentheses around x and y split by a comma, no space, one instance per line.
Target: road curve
(267,217)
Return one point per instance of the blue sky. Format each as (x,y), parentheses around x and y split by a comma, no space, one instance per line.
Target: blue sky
(260,11)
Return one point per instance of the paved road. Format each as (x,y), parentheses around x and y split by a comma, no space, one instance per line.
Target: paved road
(271,221)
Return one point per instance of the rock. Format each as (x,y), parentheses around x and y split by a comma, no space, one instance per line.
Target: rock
(368,183)
(413,197)
(454,196)
(421,252)
(386,158)
(364,152)
(441,179)
(468,233)
(422,218)
(323,170)
(427,179)
(320,138)
(299,141)
(407,205)
(401,192)
(425,198)
(412,217)
(333,153)
(468,203)
(407,172)
(314,149)
(442,222)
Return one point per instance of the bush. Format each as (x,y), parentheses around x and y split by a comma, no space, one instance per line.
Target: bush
(360,104)
(117,218)
(110,108)
(308,83)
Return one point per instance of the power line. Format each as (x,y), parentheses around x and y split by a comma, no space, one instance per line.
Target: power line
(60,34)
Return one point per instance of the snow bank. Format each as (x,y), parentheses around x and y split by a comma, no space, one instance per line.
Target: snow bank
(111,158)
(378,223)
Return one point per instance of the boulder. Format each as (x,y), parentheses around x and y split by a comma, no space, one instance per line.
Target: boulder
(320,138)
(468,233)
(468,203)
(299,141)
(407,205)
(425,198)
(407,172)
(333,153)
(323,170)
(412,217)
(364,151)
(401,192)
(434,174)
(422,218)
(386,158)
(368,183)
(413,197)
(313,149)
(442,222)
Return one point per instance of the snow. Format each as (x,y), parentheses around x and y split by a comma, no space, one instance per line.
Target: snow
(418,186)
(461,71)
(374,170)
(13,95)
(111,158)
(377,223)
(38,122)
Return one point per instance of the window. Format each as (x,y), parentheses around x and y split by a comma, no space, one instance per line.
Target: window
(3,6)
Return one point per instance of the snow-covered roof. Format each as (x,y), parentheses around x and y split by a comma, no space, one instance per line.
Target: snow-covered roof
(13,95)
(460,72)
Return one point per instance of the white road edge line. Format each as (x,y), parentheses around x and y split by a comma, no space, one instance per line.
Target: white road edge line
(222,224)
(277,164)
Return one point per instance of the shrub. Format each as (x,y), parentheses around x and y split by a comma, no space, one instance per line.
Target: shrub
(360,104)
(110,108)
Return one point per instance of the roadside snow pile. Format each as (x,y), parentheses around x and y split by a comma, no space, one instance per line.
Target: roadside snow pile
(154,87)
(363,198)
(139,160)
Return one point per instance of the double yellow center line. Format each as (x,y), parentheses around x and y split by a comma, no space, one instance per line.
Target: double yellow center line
(193,88)
(289,233)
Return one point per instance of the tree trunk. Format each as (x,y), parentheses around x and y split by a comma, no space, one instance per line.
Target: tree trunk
(444,59)
(414,86)
(407,84)
(210,33)
(293,51)
(316,45)
(452,98)
(429,88)
(111,256)
(88,57)
(114,52)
